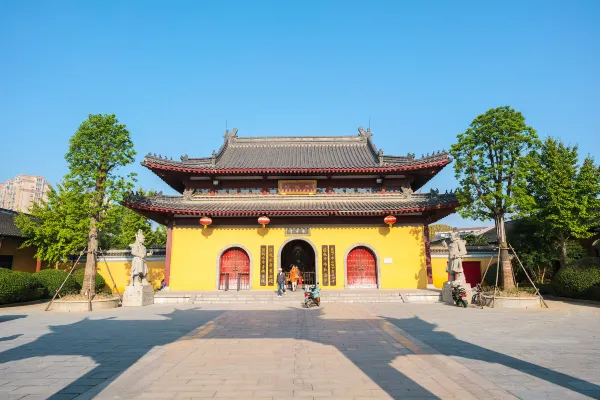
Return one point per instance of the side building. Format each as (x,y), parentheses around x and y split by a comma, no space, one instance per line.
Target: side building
(12,256)
(346,214)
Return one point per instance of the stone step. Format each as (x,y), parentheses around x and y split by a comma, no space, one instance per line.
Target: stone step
(257,297)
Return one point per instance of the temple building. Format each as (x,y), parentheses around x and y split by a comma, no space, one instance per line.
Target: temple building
(338,208)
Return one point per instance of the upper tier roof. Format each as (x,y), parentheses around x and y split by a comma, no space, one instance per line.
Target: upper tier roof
(317,205)
(324,154)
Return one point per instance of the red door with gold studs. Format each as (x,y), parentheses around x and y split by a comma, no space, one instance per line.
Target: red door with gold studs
(235,270)
(361,268)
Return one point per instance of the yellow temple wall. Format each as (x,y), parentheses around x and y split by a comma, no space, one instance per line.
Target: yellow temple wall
(121,270)
(195,253)
(23,258)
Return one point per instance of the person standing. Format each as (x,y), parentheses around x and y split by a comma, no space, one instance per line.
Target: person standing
(280,282)
(294,277)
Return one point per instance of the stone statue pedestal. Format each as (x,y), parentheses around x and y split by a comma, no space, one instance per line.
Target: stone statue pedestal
(136,296)
(447,292)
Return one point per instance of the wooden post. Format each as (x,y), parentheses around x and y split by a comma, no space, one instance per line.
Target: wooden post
(428,256)
(168,253)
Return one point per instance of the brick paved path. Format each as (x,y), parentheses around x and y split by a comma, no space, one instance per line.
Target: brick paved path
(344,351)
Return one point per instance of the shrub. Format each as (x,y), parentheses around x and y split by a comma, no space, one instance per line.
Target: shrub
(577,281)
(16,287)
(80,273)
(51,279)
(595,293)
(548,288)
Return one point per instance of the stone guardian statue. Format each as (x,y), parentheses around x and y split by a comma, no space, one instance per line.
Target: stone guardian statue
(138,292)
(139,268)
(456,251)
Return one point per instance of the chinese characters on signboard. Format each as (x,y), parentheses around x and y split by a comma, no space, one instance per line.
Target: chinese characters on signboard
(297,231)
(297,187)
(332,271)
(271,264)
(325,265)
(263,265)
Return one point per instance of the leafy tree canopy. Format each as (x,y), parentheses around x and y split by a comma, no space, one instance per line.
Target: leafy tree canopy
(561,195)
(122,224)
(435,228)
(487,159)
(475,240)
(57,227)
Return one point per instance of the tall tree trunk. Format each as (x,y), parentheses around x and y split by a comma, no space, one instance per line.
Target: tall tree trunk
(563,253)
(89,279)
(507,271)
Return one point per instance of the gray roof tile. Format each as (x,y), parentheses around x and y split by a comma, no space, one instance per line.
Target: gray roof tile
(316,152)
(248,205)
(7,223)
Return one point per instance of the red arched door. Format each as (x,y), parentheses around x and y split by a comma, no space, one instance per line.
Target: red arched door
(234,272)
(361,268)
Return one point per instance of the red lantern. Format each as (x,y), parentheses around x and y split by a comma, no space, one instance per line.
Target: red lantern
(390,220)
(264,220)
(205,221)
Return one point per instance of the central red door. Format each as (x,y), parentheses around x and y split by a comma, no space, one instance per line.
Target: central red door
(235,267)
(361,268)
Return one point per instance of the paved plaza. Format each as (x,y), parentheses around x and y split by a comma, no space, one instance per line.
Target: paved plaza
(280,351)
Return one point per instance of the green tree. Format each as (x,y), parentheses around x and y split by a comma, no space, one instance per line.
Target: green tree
(535,250)
(559,194)
(475,240)
(122,224)
(435,228)
(57,227)
(97,150)
(487,158)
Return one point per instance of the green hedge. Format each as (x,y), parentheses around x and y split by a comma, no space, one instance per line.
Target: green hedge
(17,287)
(51,279)
(79,274)
(578,281)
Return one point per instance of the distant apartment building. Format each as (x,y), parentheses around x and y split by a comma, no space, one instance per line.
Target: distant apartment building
(22,191)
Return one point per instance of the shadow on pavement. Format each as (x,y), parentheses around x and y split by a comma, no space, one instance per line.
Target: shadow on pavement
(451,346)
(116,344)
(6,318)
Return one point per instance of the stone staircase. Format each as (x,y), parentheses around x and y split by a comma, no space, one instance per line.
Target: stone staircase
(268,297)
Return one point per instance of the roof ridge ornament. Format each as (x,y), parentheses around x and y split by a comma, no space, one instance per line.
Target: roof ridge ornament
(214,157)
(367,134)
(231,134)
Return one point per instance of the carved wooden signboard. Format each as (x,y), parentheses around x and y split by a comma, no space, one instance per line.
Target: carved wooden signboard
(332,269)
(325,265)
(297,231)
(271,266)
(297,187)
(263,265)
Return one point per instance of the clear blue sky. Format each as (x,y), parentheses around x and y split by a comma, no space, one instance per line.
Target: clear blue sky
(174,71)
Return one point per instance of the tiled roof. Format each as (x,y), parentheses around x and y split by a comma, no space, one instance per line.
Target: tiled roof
(7,223)
(291,154)
(360,204)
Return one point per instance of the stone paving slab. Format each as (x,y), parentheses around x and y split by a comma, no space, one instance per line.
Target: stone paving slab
(280,351)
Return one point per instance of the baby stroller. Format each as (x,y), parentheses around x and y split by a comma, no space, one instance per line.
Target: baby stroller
(312,296)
